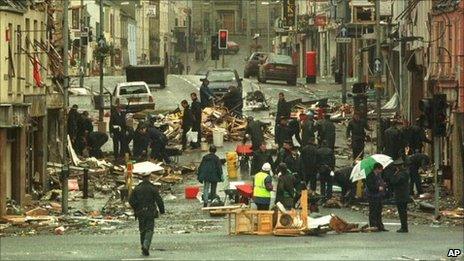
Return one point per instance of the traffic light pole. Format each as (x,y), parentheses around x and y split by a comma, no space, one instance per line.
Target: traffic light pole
(223,59)
(378,79)
(436,156)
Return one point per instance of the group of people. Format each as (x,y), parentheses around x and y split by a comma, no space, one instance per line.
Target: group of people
(84,139)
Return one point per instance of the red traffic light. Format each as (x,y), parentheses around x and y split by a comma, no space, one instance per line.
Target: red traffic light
(223,35)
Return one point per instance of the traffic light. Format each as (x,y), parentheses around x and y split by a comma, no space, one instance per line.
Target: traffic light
(439,115)
(85,39)
(214,48)
(223,37)
(426,107)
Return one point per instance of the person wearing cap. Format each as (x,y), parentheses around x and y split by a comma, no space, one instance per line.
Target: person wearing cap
(308,129)
(210,173)
(286,190)
(262,187)
(375,191)
(400,183)
(147,204)
(206,95)
(118,129)
(326,131)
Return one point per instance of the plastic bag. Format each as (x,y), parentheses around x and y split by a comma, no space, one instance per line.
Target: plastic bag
(192,136)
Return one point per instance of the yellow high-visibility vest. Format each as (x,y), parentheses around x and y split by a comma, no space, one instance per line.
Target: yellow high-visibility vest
(259,189)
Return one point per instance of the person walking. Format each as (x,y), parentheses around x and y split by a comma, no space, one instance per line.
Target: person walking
(146,201)
(206,95)
(286,191)
(283,110)
(356,131)
(326,164)
(400,183)
(262,187)
(260,156)
(375,189)
(210,173)
(118,131)
(326,131)
(187,122)
(415,162)
(196,123)
(308,129)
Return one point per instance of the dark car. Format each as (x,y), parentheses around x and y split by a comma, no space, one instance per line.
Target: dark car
(278,67)
(232,47)
(252,64)
(221,79)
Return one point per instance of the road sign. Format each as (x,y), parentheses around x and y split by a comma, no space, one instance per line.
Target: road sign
(343,32)
(81,34)
(289,12)
(377,65)
(343,40)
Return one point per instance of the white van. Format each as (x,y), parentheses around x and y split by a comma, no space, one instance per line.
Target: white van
(133,96)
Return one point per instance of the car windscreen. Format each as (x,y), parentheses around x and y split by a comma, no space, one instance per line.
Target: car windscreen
(221,76)
(132,89)
(284,59)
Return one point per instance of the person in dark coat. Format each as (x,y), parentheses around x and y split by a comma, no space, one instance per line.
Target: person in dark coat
(417,138)
(393,141)
(326,131)
(260,156)
(342,179)
(117,131)
(283,110)
(196,113)
(283,132)
(95,140)
(233,101)
(415,162)
(308,129)
(206,95)
(326,164)
(400,183)
(289,156)
(286,191)
(158,143)
(187,122)
(84,127)
(356,130)
(141,143)
(375,189)
(73,118)
(294,126)
(146,200)
(254,130)
(210,173)
(308,162)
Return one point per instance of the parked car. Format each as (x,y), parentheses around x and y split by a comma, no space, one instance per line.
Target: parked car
(134,96)
(221,79)
(252,64)
(232,47)
(278,67)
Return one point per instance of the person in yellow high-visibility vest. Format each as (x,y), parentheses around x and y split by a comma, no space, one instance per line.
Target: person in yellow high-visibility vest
(262,187)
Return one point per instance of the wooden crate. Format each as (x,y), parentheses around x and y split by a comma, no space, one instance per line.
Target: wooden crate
(253,222)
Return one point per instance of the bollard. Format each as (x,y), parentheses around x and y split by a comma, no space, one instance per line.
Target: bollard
(86,183)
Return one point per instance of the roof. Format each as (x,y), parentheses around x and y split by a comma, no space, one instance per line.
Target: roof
(18,6)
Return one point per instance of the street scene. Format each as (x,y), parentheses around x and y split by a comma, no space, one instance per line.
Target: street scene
(231,130)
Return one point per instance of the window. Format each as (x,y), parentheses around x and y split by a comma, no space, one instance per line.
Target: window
(75,18)
(176,22)
(112,24)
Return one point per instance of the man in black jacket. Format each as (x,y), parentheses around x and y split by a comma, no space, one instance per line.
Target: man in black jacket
(141,143)
(308,129)
(260,156)
(393,141)
(326,164)
(73,119)
(187,122)
(196,113)
(146,200)
(326,131)
(233,101)
(417,137)
(400,183)
(283,132)
(342,179)
(286,190)
(84,127)
(95,140)
(356,130)
(206,95)
(283,110)
(308,162)
(118,131)
(158,142)
(375,189)
(415,162)
(254,130)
